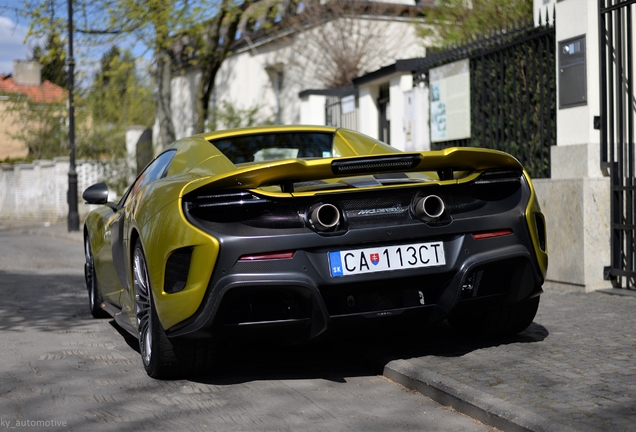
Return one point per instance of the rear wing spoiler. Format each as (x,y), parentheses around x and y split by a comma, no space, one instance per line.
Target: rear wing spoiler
(443,162)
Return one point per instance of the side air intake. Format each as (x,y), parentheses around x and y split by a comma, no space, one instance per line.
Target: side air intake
(177,269)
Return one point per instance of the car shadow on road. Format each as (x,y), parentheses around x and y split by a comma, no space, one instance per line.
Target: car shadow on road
(342,354)
(48,303)
(59,303)
(347,354)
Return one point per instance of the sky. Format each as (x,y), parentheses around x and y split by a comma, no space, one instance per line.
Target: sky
(12,45)
(13,30)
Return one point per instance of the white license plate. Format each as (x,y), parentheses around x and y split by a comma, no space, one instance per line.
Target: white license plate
(377,259)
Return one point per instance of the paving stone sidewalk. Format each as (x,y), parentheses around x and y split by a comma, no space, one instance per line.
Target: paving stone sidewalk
(57,229)
(574,368)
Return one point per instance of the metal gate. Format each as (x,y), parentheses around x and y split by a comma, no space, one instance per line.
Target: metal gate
(341,107)
(513,92)
(618,107)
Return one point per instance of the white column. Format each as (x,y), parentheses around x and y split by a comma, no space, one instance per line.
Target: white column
(576,198)
(312,110)
(368,110)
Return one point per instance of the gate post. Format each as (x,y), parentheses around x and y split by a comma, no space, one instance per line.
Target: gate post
(576,198)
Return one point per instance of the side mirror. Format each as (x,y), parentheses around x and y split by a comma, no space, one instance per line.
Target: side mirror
(96,194)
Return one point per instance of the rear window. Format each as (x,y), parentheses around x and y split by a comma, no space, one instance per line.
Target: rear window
(275,146)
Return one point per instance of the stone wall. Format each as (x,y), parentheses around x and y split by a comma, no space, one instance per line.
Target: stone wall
(38,190)
(577,223)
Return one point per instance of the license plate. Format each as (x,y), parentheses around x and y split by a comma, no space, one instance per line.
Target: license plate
(388,258)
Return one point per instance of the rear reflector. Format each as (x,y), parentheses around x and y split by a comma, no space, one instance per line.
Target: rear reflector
(268,256)
(491,234)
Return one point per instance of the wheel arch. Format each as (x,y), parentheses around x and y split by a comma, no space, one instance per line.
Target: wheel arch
(167,232)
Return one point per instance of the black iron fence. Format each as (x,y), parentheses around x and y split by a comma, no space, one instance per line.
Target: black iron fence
(618,111)
(341,108)
(513,92)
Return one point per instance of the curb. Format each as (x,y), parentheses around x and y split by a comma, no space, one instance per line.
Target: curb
(481,406)
(55,230)
(76,236)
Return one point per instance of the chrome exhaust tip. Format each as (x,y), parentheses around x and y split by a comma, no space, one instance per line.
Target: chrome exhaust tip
(430,208)
(324,216)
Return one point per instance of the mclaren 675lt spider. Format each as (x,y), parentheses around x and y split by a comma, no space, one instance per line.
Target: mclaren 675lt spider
(295,230)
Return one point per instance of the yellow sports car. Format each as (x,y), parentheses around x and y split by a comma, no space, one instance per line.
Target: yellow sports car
(289,231)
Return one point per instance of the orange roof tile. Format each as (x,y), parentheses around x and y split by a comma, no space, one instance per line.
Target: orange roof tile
(46,92)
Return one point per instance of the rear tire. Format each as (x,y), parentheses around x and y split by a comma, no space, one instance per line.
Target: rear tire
(163,357)
(495,320)
(95,298)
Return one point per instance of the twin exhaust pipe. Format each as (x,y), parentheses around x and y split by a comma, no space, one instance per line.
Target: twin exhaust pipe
(326,217)
(430,208)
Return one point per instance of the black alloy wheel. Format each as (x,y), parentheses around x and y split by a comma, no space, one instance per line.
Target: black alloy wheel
(144,313)
(163,357)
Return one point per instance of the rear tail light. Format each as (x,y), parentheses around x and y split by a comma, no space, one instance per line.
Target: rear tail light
(498,176)
(268,256)
(227,199)
(245,207)
(491,234)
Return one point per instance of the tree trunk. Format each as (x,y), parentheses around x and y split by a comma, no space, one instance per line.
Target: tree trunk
(163,75)
(216,55)
(204,92)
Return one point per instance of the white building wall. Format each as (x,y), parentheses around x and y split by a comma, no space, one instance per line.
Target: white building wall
(184,89)
(248,78)
(416,115)
(541,8)
(312,110)
(576,125)
(244,83)
(575,200)
(397,86)
(368,110)
(133,133)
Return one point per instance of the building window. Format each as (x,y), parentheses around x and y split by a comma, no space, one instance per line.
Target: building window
(384,111)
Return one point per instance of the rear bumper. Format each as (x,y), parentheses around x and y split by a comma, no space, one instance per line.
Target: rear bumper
(299,293)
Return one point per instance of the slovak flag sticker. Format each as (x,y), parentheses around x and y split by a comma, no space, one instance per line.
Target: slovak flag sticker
(375,258)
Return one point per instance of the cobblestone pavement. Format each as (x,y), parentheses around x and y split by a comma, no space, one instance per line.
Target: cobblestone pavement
(575,366)
(62,370)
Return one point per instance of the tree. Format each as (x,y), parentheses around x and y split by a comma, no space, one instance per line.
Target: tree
(207,45)
(119,95)
(152,23)
(231,117)
(104,22)
(156,24)
(453,22)
(118,98)
(341,40)
(52,57)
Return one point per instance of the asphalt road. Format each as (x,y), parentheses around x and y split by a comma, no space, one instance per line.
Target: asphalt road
(63,370)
